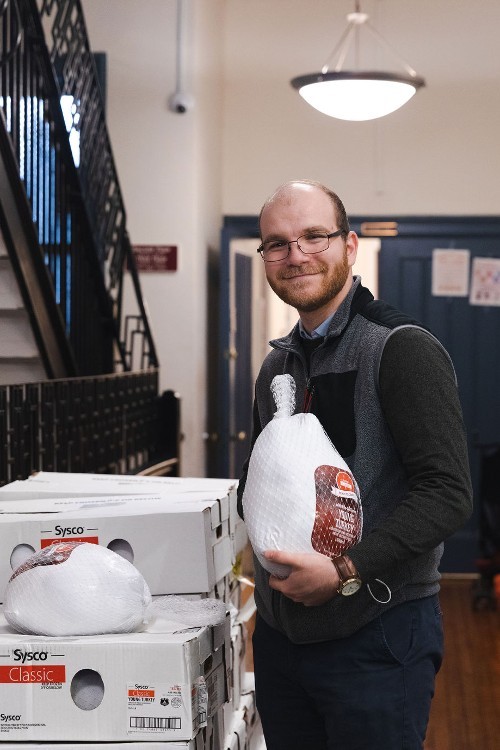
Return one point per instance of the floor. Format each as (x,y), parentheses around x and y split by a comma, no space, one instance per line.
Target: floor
(465,713)
(466,709)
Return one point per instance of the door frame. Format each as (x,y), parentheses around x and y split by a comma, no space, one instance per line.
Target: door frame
(234,227)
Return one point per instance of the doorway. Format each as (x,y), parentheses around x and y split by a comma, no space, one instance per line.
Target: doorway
(397,266)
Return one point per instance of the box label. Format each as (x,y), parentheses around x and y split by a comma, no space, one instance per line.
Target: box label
(31,673)
(161,708)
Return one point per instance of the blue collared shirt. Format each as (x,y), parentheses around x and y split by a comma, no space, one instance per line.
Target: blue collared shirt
(319,331)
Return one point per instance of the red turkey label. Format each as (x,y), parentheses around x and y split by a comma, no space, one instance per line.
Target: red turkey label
(54,554)
(339,521)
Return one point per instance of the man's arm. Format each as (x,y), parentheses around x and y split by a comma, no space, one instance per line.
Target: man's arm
(420,402)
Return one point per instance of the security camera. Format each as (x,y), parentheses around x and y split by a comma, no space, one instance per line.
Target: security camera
(180,102)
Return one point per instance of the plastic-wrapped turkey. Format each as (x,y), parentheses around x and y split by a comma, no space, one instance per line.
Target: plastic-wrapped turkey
(300,495)
(77,588)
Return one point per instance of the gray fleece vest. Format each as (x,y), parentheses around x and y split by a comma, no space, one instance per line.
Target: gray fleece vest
(372,457)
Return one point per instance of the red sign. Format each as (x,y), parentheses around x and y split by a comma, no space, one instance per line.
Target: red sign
(49,542)
(155,258)
(141,693)
(32,673)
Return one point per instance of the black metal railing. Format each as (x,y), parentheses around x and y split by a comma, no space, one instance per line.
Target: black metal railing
(53,114)
(115,424)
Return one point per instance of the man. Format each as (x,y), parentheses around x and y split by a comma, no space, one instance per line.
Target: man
(346,651)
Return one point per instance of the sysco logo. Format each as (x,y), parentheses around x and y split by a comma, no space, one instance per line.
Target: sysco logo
(24,656)
(10,717)
(69,530)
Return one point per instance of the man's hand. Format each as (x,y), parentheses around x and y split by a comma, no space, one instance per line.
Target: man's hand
(313,580)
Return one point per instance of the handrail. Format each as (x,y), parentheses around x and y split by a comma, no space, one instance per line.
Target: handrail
(34,281)
(66,164)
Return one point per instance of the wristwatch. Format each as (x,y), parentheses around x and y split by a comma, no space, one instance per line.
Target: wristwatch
(349,581)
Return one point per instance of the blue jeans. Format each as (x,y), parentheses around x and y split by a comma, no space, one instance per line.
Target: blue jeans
(370,691)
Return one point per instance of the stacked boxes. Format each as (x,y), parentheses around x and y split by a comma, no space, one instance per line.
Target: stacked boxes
(196,744)
(173,689)
(137,686)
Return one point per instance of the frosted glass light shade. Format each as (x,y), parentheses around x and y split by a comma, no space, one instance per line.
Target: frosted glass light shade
(356,96)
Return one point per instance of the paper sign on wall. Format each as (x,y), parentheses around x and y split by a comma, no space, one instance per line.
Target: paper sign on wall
(450,272)
(485,287)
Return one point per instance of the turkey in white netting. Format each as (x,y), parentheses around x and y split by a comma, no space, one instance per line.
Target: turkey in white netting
(78,588)
(300,495)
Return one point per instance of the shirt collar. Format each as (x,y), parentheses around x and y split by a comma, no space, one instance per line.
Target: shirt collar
(319,331)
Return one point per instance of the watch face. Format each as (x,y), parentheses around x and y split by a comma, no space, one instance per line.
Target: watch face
(351,586)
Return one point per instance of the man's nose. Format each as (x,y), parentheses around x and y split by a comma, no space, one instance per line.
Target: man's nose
(295,254)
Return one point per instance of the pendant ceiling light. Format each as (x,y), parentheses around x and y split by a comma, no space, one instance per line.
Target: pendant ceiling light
(357,94)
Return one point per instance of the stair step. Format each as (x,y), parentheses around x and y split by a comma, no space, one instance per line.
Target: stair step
(10,297)
(16,336)
(21,370)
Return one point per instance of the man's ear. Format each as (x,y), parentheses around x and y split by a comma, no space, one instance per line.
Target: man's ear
(352,247)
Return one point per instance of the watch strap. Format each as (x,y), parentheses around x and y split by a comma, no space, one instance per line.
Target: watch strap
(343,569)
(347,577)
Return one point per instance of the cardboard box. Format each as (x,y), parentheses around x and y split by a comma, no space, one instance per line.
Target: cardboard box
(148,686)
(197,744)
(53,485)
(214,733)
(60,484)
(236,738)
(178,543)
(237,670)
(221,483)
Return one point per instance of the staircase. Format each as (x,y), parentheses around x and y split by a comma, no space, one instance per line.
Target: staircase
(61,210)
(20,360)
(78,377)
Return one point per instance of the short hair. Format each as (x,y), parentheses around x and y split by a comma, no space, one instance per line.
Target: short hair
(338,206)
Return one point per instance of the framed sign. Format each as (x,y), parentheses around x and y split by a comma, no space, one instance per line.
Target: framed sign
(155,258)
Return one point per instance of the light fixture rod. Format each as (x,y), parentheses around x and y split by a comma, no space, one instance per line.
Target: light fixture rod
(391,49)
(341,48)
(355,21)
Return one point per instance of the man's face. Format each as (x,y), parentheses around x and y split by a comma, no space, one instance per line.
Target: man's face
(306,282)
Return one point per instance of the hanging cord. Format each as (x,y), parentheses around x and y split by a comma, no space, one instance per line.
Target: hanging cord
(380,601)
(16,29)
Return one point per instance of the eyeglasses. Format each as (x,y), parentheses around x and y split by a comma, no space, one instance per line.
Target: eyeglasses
(309,244)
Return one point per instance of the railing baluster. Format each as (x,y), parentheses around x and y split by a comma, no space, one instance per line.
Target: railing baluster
(109,424)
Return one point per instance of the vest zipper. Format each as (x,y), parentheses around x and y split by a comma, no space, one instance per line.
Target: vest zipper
(308,397)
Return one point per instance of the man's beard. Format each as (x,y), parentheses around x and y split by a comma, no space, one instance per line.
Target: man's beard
(333,281)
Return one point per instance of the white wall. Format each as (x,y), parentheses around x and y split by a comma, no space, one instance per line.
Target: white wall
(169,167)
(249,131)
(437,155)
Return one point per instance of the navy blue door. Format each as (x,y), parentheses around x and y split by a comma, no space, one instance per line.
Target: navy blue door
(470,333)
(242,387)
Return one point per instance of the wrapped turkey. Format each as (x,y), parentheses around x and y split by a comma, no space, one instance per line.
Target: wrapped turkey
(78,588)
(300,495)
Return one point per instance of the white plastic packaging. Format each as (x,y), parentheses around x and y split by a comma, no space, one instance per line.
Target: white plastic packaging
(78,588)
(300,495)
